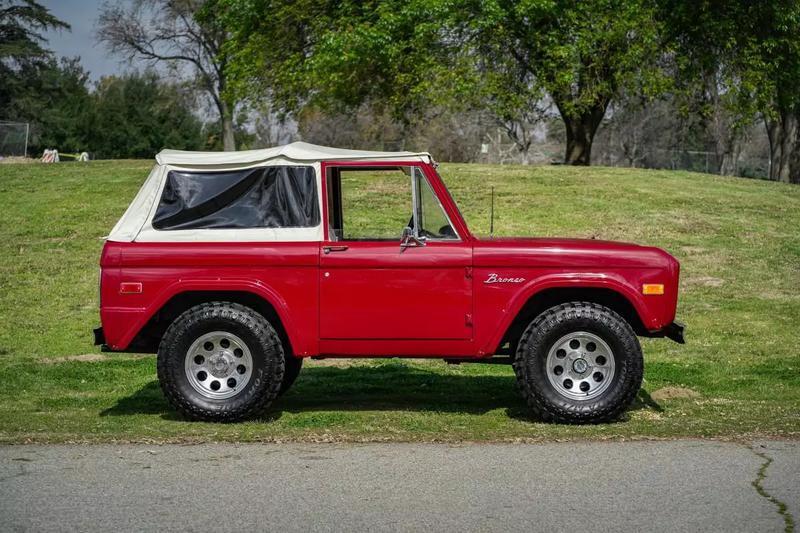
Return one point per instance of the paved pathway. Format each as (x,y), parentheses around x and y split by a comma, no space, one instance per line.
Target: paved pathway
(644,486)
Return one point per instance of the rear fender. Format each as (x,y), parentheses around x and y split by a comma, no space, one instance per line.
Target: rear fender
(141,317)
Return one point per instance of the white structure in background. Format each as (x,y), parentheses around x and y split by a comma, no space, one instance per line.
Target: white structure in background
(50,156)
(84,156)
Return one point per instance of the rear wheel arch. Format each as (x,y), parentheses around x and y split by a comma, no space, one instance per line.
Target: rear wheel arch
(149,336)
(544,299)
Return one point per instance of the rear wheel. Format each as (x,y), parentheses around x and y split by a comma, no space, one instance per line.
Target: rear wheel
(579,363)
(220,362)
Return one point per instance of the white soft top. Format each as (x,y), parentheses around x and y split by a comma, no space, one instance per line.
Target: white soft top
(136,223)
(297,151)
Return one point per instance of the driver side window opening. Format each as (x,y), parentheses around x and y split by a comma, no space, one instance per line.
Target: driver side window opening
(377,203)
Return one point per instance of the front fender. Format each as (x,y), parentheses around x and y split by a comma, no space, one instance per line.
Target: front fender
(536,284)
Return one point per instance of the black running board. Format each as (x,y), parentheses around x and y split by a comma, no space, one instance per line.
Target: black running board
(484,360)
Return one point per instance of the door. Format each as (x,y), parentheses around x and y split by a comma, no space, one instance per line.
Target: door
(371,287)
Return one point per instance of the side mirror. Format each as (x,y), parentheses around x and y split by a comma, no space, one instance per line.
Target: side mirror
(409,240)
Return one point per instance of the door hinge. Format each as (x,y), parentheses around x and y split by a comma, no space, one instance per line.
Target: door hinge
(468,272)
(468,320)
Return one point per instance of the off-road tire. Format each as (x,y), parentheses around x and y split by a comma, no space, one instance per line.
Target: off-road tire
(290,373)
(542,334)
(261,339)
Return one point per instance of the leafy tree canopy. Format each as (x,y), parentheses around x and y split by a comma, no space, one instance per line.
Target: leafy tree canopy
(497,53)
(136,115)
(21,22)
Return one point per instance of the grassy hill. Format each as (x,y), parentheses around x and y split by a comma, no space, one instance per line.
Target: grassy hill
(738,241)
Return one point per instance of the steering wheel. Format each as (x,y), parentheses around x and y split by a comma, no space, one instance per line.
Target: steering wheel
(447,231)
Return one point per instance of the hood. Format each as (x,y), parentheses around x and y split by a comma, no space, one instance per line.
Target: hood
(575,253)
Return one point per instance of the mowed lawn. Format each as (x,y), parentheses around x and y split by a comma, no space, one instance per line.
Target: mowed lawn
(738,376)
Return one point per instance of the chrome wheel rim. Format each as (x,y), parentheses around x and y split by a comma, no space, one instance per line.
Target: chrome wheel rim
(580,365)
(218,365)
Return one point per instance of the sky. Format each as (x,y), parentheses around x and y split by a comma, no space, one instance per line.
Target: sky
(82,16)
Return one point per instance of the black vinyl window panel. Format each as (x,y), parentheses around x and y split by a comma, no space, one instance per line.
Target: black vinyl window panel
(267,197)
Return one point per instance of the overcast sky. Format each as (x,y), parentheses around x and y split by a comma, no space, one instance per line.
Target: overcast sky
(82,16)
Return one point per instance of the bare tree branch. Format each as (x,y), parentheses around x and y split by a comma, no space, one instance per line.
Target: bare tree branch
(168,31)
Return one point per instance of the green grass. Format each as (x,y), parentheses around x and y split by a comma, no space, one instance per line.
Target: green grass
(738,241)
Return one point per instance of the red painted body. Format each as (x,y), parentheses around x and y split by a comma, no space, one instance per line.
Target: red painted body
(374,300)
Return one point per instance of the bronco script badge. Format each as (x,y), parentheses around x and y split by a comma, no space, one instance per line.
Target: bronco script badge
(494,278)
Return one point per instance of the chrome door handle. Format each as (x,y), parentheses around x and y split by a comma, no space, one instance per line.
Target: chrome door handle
(329,249)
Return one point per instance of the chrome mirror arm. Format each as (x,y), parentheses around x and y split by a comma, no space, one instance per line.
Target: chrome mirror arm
(409,240)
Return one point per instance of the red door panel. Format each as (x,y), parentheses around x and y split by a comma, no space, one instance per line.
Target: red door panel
(373,290)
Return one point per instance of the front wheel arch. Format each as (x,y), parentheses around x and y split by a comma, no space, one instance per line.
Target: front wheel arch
(547,298)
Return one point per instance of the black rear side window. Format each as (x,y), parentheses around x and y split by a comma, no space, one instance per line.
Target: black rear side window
(266,197)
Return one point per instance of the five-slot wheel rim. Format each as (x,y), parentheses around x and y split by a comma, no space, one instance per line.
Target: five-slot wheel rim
(218,365)
(580,365)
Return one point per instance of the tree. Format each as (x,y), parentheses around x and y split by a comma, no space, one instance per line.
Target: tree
(137,115)
(339,56)
(22,46)
(581,53)
(53,97)
(57,103)
(498,54)
(185,32)
(753,51)
(20,24)
(773,74)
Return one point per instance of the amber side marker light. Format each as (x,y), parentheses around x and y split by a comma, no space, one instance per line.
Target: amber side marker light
(653,288)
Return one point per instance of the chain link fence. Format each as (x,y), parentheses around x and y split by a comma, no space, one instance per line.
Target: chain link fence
(14,139)
(750,165)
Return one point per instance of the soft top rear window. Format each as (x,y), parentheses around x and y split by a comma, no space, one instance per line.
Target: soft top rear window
(268,197)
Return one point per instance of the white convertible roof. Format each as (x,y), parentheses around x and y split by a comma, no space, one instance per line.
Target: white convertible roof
(137,222)
(297,151)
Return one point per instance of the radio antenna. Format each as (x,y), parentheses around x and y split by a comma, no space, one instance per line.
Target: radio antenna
(491,218)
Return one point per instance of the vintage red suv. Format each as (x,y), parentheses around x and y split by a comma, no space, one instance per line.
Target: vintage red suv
(235,266)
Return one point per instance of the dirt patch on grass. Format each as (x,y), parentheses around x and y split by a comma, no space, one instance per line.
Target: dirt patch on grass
(85,358)
(674,393)
(694,250)
(705,281)
(17,159)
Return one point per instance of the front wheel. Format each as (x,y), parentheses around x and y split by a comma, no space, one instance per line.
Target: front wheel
(579,363)
(220,362)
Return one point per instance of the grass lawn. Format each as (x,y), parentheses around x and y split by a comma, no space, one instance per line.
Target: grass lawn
(738,241)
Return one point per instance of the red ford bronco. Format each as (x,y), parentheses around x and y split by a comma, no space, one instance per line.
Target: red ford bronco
(235,266)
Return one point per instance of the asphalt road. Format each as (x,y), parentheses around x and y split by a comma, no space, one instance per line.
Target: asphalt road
(644,486)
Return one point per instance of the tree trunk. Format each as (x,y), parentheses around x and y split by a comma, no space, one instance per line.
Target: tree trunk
(781,134)
(226,121)
(794,158)
(726,165)
(580,133)
(794,167)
